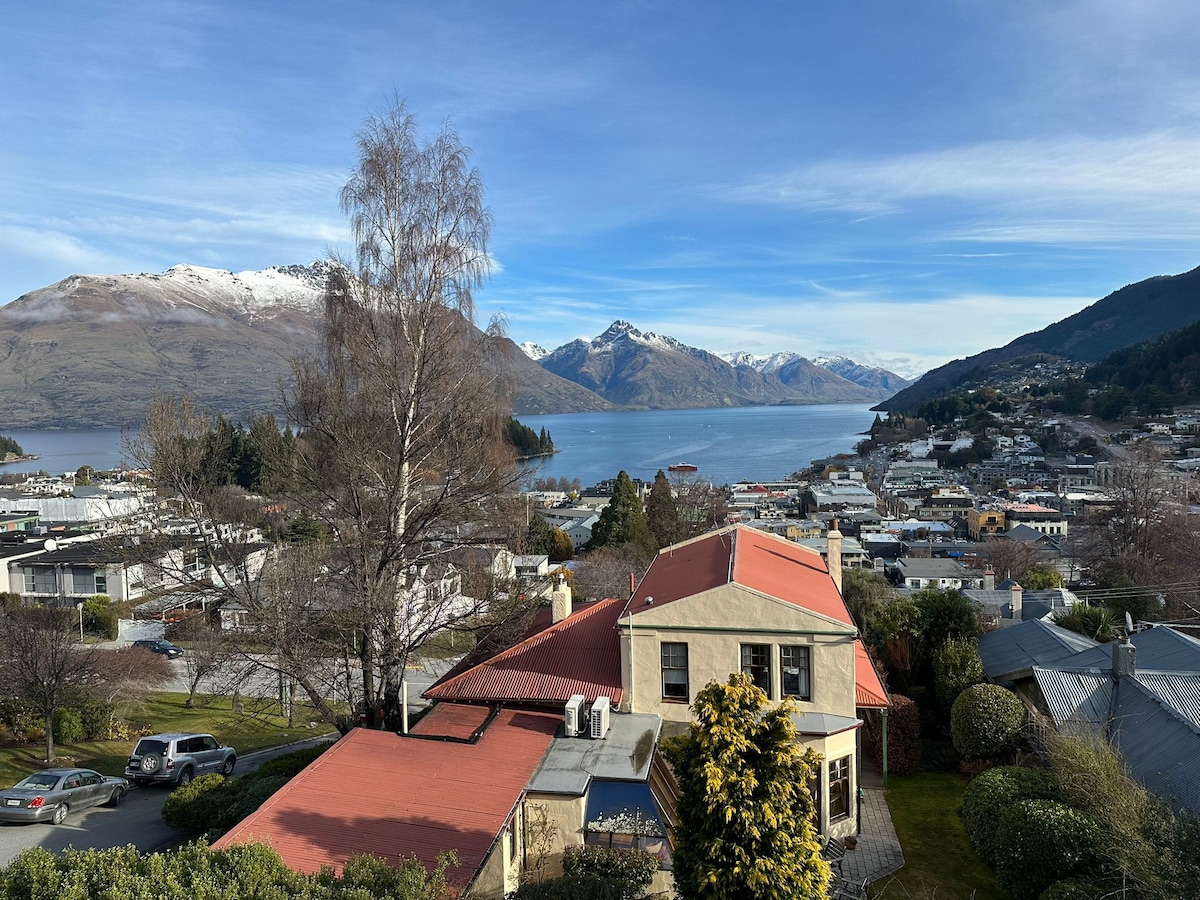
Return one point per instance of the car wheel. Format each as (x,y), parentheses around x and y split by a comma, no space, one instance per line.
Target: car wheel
(185,777)
(118,795)
(150,763)
(227,766)
(60,813)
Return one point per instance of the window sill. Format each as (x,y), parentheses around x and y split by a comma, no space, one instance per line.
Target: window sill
(678,700)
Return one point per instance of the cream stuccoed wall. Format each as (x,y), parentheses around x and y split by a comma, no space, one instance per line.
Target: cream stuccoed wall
(830,747)
(552,822)
(714,624)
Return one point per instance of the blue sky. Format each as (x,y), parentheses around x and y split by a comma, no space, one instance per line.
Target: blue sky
(902,183)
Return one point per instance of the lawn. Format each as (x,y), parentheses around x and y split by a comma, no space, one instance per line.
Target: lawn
(246,731)
(939,861)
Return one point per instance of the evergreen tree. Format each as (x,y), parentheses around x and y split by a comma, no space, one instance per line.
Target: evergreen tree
(745,814)
(561,546)
(623,521)
(662,515)
(538,539)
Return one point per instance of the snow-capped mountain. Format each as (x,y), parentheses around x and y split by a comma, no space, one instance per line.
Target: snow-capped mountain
(653,371)
(792,367)
(91,350)
(533,351)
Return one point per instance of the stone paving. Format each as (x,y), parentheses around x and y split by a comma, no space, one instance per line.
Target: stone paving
(878,853)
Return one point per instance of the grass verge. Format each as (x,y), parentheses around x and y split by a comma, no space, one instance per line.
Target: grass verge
(255,728)
(939,861)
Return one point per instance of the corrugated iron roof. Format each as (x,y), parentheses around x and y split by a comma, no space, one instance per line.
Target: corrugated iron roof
(1161,648)
(394,797)
(579,655)
(1010,653)
(1076,695)
(868,688)
(1178,690)
(1161,747)
(755,559)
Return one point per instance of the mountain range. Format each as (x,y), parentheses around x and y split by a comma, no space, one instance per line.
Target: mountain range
(1137,312)
(92,350)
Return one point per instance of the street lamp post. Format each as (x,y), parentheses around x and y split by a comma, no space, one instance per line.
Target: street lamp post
(79,606)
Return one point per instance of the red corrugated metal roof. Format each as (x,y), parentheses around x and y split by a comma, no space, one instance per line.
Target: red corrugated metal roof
(579,655)
(456,720)
(868,689)
(746,556)
(395,797)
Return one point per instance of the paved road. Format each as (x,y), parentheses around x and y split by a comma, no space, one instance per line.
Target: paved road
(137,821)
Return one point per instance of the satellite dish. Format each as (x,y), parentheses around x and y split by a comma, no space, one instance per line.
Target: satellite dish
(50,544)
(1128,623)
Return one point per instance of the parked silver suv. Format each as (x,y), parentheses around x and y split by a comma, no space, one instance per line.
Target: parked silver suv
(178,758)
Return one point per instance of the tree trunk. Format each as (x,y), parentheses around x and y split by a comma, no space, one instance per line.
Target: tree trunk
(50,738)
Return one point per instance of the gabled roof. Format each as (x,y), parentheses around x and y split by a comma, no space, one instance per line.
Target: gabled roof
(394,797)
(579,655)
(1076,696)
(1010,653)
(1160,647)
(741,555)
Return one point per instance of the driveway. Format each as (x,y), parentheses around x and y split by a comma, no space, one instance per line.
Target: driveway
(137,821)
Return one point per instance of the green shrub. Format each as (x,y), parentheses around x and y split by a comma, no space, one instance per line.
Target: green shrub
(1039,842)
(1076,889)
(570,888)
(993,792)
(986,721)
(193,806)
(956,667)
(240,798)
(98,720)
(289,765)
(107,624)
(631,869)
(68,725)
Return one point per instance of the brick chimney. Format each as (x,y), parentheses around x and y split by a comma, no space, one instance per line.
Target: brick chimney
(1017,594)
(989,580)
(834,538)
(560,600)
(1123,657)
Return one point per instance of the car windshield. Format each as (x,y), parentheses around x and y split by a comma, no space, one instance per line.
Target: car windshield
(38,782)
(149,746)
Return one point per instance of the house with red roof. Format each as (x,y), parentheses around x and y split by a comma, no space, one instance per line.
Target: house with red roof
(742,600)
(507,769)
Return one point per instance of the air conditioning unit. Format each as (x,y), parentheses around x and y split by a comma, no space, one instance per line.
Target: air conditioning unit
(599,717)
(573,716)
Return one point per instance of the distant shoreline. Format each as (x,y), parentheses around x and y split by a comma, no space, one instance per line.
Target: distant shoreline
(13,458)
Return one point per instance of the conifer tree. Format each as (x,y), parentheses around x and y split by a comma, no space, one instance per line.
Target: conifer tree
(662,515)
(623,521)
(745,815)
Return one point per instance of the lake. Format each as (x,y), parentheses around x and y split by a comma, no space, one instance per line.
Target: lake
(758,443)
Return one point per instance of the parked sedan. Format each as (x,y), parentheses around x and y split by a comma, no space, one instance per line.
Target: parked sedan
(166,648)
(52,793)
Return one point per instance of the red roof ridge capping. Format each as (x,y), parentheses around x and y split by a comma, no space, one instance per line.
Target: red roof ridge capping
(579,655)
(391,796)
(868,687)
(739,554)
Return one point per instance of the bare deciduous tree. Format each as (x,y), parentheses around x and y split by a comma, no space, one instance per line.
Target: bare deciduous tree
(399,452)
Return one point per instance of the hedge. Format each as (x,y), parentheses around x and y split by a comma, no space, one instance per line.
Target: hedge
(956,667)
(1076,889)
(632,869)
(993,792)
(68,726)
(903,737)
(986,721)
(573,888)
(1039,842)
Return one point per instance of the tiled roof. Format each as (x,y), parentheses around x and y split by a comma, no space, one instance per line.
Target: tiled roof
(754,559)
(392,796)
(579,655)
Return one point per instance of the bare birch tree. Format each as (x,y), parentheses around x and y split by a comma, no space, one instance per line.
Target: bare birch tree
(399,453)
